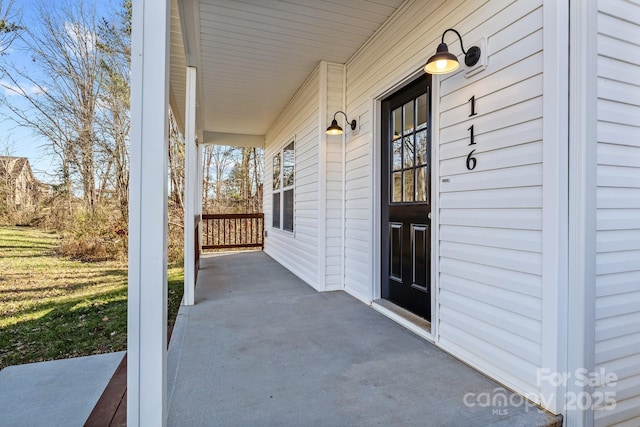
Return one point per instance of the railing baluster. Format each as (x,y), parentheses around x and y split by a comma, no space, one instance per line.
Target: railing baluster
(226,231)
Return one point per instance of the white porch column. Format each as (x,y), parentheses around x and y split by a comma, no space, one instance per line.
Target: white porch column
(200,175)
(190,187)
(199,185)
(583,155)
(147,301)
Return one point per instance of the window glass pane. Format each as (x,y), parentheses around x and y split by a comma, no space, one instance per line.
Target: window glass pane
(287,219)
(288,165)
(396,118)
(396,192)
(421,148)
(276,210)
(276,171)
(421,184)
(421,106)
(408,186)
(397,155)
(408,151)
(408,116)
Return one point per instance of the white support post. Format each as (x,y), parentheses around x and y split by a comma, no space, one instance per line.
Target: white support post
(190,188)
(200,178)
(199,184)
(583,118)
(147,301)
(322,176)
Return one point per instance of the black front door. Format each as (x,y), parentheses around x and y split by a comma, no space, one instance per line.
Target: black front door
(405,210)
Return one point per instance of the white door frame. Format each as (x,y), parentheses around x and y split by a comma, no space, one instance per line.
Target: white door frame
(375,171)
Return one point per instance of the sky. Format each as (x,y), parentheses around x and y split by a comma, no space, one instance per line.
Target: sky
(22,142)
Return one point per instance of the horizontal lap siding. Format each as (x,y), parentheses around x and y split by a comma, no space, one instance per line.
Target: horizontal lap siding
(297,251)
(491,217)
(618,216)
(490,254)
(378,66)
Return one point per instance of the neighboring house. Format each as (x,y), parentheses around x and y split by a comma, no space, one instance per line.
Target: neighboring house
(21,190)
(500,202)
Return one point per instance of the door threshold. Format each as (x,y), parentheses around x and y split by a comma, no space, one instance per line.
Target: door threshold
(414,323)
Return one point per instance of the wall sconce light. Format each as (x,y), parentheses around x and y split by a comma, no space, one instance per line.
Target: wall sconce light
(334,129)
(444,62)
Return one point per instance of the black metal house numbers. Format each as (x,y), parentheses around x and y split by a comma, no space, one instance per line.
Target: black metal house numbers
(472,161)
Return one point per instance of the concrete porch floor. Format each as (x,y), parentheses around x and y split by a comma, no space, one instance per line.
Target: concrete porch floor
(261,348)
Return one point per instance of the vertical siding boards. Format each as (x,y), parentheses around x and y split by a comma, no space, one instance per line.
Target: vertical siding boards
(297,251)
(333,236)
(618,217)
(490,284)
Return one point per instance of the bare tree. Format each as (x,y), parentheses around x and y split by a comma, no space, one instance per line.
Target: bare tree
(245,181)
(207,160)
(245,178)
(217,160)
(176,165)
(114,122)
(258,162)
(60,88)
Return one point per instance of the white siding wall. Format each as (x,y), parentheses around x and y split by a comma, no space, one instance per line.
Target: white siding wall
(298,251)
(490,248)
(618,234)
(491,218)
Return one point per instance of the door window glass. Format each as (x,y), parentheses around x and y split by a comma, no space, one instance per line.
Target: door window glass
(409,155)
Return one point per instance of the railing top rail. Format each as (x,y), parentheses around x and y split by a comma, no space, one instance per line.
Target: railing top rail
(232,216)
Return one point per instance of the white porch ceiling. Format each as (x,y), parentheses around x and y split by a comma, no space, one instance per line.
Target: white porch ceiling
(253,55)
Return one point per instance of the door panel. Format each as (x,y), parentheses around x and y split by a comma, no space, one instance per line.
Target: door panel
(395,240)
(420,240)
(405,224)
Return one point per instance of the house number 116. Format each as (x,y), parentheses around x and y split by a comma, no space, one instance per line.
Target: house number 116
(471,161)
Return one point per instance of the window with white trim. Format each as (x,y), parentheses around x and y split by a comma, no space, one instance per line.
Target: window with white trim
(284,163)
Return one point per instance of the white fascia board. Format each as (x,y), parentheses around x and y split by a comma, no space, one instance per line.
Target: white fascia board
(233,139)
(190,23)
(190,26)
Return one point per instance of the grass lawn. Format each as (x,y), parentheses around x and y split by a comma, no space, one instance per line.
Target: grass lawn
(52,307)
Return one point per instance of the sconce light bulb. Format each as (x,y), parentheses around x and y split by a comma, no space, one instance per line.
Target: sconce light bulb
(441,64)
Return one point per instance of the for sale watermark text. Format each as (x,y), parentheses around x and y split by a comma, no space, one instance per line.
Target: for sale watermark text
(601,397)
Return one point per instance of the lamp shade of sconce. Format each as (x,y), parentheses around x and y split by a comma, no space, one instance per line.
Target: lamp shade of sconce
(445,62)
(335,129)
(442,62)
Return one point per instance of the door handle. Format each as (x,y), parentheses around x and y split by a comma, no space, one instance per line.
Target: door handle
(429,215)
